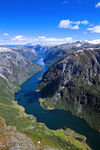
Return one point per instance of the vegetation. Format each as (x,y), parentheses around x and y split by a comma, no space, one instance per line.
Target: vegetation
(81,99)
(14,115)
(44,104)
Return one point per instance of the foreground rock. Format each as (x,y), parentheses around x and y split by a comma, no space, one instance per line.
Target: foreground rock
(10,139)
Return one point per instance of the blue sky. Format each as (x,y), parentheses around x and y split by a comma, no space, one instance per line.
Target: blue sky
(33,21)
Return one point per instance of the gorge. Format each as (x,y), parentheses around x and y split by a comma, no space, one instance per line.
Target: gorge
(54,119)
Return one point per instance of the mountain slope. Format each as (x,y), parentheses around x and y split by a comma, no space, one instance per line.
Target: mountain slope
(14,67)
(74,84)
(58,52)
(21,131)
(28,53)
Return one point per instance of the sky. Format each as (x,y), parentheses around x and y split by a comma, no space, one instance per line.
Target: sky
(48,21)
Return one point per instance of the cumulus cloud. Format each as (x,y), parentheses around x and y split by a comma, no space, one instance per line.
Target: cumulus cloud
(42,37)
(22,40)
(72,24)
(65,24)
(51,41)
(18,37)
(75,27)
(97,5)
(5,34)
(85,22)
(95,29)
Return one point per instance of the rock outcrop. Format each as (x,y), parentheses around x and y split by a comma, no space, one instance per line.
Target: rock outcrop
(59,52)
(11,139)
(74,82)
(28,53)
(14,67)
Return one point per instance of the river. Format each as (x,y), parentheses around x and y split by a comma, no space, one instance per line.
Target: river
(53,119)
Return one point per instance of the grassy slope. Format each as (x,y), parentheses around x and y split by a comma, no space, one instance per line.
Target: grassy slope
(14,116)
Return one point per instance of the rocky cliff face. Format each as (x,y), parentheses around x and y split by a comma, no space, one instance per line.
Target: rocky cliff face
(14,67)
(28,53)
(74,84)
(58,52)
(28,134)
(40,50)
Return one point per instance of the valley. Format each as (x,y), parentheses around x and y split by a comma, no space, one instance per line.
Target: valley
(54,119)
(51,123)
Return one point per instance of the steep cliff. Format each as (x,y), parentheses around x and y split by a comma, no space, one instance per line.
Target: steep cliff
(20,130)
(28,53)
(14,67)
(73,84)
(58,52)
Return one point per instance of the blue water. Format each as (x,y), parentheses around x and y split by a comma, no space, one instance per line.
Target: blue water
(53,119)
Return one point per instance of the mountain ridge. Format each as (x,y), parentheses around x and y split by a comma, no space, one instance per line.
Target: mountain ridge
(73,83)
(20,130)
(58,52)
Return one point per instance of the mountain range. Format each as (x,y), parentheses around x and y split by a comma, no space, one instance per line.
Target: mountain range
(73,81)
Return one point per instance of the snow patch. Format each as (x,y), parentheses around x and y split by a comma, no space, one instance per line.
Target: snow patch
(95,41)
(80,51)
(5,49)
(78,45)
(3,77)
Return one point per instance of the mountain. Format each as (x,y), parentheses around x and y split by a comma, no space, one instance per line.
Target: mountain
(11,139)
(58,52)
(27,52)
(30,51)
(15,68)
(20,130)
(73,83)
(41,50)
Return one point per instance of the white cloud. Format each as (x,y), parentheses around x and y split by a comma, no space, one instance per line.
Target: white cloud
(51,41)
(5,34)
(22,40)
(76,22)
(85,22)
(18,37)
(75,27)
(95,29)
(65,24)
(72,24)
(97,5)
(41,37)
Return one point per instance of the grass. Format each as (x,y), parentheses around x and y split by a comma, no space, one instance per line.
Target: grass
(78,93)
(14,115)
(44,104)
(40,78)
(72,137)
